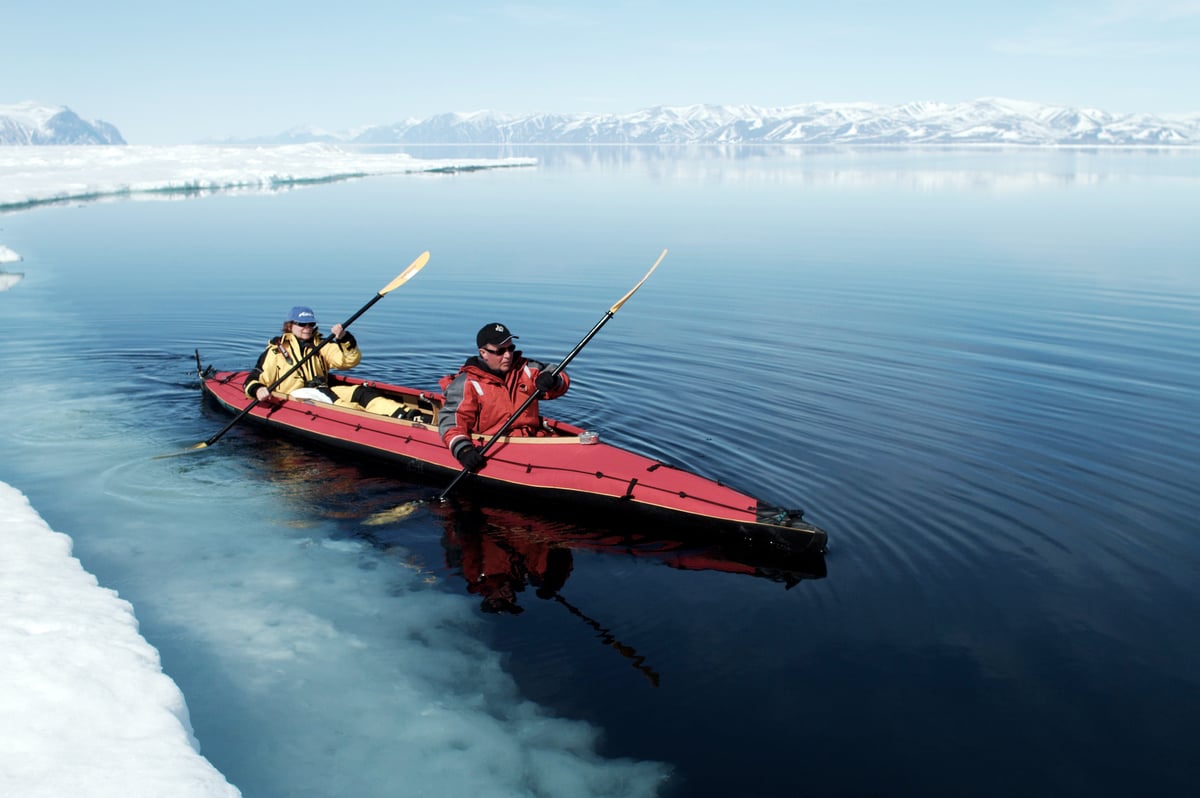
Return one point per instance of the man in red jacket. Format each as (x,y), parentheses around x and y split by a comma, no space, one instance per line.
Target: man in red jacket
(488,390)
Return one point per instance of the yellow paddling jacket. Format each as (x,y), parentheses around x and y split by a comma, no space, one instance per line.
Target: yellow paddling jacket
(286,351)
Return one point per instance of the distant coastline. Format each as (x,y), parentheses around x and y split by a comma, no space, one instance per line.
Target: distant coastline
(986,121)
(86,173)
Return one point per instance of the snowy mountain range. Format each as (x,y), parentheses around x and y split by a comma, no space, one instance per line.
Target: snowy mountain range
(31,123)
(984,121)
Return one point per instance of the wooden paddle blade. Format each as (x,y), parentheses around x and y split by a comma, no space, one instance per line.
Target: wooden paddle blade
(408,273)
(400,280)
(562,364)
(625,298)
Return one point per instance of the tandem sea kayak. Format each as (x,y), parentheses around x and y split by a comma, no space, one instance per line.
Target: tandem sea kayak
(570,468)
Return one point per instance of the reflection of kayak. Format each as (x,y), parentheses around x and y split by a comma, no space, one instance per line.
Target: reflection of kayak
(525,545)
(500,552)
(9,279)
(570,466)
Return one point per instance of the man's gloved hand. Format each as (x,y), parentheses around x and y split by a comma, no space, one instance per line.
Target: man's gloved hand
(469,457)
(546,382)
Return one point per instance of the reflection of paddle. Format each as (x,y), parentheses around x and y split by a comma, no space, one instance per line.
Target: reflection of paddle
(400,280)
(549,586)
(554,371)
(606,636)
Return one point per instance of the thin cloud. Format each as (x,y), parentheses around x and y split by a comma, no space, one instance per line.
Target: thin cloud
(1078,47)
(1123,29)
(543,16)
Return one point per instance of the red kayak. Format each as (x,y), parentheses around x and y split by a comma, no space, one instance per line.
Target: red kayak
(572,467)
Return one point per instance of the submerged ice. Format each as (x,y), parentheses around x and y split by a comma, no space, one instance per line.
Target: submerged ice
(403,692)
(321,673)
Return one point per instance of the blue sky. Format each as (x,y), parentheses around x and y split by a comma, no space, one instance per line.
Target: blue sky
(174,73)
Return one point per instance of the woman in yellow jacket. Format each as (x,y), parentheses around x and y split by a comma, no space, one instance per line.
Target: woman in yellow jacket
(299,336)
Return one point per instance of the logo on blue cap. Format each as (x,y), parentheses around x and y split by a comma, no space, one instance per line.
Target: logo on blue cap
(302,315)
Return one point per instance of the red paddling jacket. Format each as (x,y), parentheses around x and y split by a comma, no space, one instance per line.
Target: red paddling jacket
(479,400)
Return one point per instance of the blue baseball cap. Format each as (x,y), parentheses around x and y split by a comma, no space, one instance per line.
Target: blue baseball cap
(302,315)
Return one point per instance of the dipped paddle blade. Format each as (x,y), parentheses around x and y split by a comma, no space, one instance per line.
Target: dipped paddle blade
(395,514)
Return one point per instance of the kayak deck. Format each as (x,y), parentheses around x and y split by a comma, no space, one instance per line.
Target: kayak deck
(568,467)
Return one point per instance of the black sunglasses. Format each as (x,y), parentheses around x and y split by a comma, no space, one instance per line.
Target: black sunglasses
(501,350)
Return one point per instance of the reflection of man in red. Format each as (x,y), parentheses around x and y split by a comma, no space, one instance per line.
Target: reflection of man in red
(497,566)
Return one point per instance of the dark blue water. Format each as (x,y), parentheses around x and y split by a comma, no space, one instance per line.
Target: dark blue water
(977,370)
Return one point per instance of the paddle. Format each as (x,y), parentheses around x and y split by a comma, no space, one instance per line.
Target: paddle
(561,365)
(400,280)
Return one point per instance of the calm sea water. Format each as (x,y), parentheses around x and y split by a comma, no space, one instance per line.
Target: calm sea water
(978,370)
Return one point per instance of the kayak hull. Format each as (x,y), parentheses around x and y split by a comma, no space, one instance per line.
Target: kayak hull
(566,468)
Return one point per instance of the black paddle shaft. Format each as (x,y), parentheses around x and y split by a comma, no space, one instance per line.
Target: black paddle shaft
(400,280)
(311,353)
(562,364)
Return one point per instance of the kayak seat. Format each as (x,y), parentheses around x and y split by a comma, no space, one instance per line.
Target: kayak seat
(408,407)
